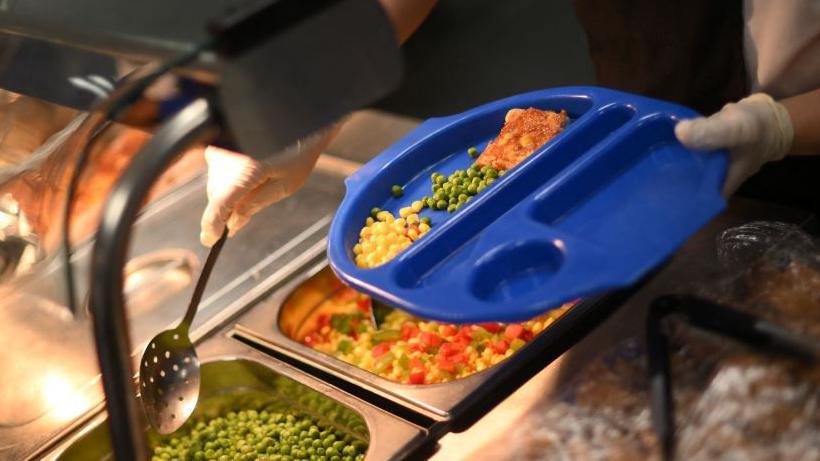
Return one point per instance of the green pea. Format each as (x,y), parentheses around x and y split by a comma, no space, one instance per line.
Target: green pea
(462,198)
(431,203)
(472,151)
(426,220)
(441,204)
(490,181)
(397,191)
(440,179)
(472,189)
(451,208)
(436,188)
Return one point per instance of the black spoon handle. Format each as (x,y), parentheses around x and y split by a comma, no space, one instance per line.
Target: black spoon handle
(202,282)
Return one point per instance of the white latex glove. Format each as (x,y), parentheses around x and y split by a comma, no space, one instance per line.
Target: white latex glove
(239,186)
(755,130)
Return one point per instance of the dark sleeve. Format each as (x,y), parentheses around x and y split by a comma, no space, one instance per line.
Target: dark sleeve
(67,76)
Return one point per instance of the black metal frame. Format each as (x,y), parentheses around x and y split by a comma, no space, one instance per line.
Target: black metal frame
(196,123)
(715,318)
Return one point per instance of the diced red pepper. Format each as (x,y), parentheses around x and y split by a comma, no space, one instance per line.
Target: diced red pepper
(500,346)
(323,320)
(448,330)
(417,377)
(458,358)
(364,304)
(415,364)
(451,348)
(416,347)
(527,335)
(492,327)
(430,339)
(445,364)
(382,348)
(513,331)
(408,330)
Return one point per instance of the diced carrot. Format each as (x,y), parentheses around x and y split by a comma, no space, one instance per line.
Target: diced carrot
(448,330)
(500,346)
(513,331)
(430,339)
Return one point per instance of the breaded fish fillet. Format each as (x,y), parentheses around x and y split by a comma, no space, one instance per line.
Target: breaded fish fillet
(524,131)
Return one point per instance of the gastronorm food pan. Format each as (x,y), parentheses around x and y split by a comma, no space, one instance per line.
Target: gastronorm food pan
(235,376)
(452,405)
(596,208)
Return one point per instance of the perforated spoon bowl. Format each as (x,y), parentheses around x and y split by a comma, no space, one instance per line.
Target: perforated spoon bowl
(169,368)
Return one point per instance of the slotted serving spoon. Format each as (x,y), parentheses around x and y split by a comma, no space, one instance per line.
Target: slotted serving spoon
(169,368)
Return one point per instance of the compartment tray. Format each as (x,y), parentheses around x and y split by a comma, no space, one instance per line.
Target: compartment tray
(596,208)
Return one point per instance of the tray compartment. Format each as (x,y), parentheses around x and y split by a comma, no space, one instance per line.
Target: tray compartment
(525,266)
(422,260)
(445,150)
(644,171)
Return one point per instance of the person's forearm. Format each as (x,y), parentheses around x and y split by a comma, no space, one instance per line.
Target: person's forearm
(804,111)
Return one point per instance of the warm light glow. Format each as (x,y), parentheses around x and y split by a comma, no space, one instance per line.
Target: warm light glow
(64,400)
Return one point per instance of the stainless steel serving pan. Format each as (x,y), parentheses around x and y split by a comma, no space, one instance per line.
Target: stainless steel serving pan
(230,366)
(451,406)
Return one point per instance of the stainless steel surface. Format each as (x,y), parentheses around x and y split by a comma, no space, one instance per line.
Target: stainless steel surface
(169,375)
(451,402)
(229,366)
(55,377)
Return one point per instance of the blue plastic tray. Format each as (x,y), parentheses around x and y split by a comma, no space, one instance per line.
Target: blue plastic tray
(594,209)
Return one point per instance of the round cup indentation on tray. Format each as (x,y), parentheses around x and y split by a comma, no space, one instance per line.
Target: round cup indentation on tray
(515,269)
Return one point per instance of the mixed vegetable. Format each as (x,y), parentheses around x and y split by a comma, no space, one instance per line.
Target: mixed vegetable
(410,350)
(263,435)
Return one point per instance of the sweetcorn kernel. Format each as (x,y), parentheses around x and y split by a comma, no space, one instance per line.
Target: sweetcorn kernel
(424,228)
(417,206)
(405,212)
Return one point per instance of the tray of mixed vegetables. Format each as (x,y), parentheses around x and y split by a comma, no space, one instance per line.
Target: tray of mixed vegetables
(404,349)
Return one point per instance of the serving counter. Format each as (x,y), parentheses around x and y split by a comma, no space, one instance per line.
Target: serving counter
(50,394)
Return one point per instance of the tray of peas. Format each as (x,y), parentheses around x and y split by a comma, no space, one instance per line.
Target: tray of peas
(252,407)
(519,206)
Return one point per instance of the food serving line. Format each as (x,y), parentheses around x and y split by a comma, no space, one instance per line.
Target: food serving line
(51,396)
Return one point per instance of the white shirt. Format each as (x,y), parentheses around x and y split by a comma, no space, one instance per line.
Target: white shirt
(782,46)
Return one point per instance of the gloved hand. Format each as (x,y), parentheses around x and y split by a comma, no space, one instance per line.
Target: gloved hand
(755,130)
(239,186)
